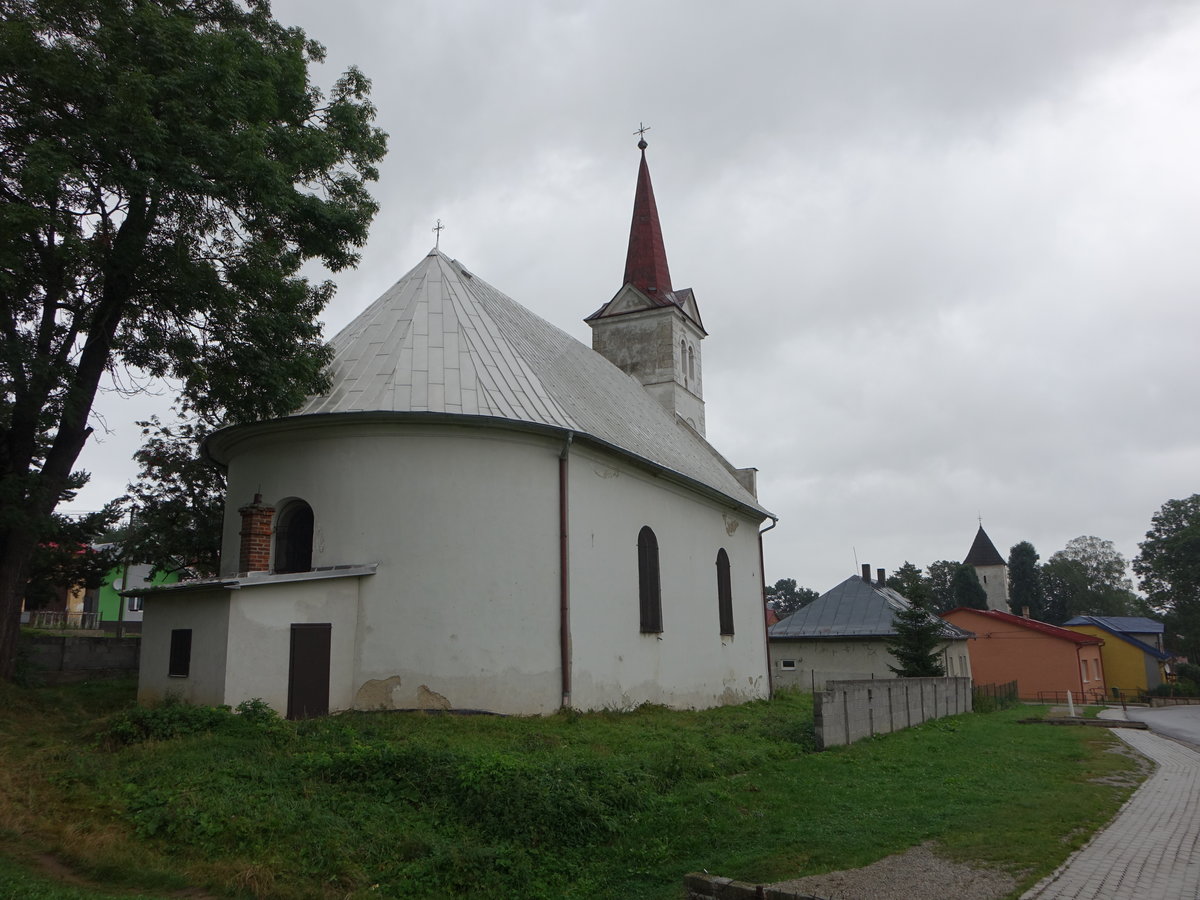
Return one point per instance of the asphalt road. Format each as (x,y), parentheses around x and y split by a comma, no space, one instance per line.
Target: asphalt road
(1179,722)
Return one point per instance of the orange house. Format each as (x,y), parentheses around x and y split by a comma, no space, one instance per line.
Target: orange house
(1038,656)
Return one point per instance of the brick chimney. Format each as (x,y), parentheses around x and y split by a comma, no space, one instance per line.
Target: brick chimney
(255,551)
(866,576)
(882,577)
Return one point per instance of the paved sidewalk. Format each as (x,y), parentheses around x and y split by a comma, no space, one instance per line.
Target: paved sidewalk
(1151,849)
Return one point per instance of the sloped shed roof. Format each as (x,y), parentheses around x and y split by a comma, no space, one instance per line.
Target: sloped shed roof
(1126,624)
(853,609)
(1102,623)
(442,341)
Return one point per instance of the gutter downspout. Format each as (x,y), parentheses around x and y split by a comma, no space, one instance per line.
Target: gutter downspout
(564,572)
(762,568)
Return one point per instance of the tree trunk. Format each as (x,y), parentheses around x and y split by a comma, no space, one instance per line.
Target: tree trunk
(16,548)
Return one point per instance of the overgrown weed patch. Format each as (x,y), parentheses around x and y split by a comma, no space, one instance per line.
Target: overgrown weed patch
(607,804)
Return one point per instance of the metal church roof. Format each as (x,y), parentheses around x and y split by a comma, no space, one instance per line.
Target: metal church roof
(646,260)
(442,340)
(855,608)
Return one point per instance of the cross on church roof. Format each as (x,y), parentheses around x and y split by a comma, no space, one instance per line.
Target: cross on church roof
(641,133)
(437,232)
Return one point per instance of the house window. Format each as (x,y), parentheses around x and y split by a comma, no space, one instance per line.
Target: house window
(294,538)
(787,664)
(135,604)
(180,663)
(1085,670)
(724,592)
(649,590)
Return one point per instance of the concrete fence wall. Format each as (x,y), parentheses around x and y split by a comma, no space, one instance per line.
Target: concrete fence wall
(67,658)
(702,886)
(847,711)
(1175,701)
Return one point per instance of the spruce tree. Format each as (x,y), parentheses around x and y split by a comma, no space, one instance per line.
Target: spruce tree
(967,590)
(915,644)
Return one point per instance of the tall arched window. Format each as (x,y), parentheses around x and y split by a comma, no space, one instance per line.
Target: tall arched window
(683,361)
(692,363)
(724,592)
(294,538)
(649,591)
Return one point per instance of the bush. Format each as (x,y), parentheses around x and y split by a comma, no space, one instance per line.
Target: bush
(1188,672)
(174,718)
(1180,688)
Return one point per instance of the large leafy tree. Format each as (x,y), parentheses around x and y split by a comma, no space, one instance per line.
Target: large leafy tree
(1025,589)
(1088,577)
(786,598)
(941,584)
(177,504)
(67,558)
(1168,568)
(166,168)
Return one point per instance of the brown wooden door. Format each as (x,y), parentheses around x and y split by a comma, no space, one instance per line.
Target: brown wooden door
(308,671)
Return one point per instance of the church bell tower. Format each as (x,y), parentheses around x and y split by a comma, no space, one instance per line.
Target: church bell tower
(649,329)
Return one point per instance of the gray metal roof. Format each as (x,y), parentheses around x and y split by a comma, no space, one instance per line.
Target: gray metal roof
(1126,624)
(855,608)
(442,340)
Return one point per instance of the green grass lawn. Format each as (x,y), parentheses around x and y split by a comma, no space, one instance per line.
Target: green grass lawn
(572,805)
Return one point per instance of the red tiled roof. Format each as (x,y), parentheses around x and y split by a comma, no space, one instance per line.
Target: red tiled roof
(1033,624)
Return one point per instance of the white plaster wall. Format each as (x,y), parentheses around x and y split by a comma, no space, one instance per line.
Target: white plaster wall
(995,583)
(463,523)
(818,661)
(646,345)
(260,635)
(207,614)
(690,664)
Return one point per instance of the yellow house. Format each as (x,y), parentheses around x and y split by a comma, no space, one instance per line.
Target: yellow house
(1133,655)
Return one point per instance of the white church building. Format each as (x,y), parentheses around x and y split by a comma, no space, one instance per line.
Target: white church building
(482,514)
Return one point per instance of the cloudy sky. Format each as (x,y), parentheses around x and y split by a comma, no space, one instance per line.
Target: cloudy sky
(947,253)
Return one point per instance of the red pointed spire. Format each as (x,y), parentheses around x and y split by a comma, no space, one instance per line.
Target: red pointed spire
(646,262)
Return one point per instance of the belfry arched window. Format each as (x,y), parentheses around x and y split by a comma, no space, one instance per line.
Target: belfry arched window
(724,592)
(649,590)
(692,363)
(683,360)
(294,538)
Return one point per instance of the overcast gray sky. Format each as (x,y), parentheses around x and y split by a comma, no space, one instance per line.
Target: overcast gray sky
(946,252)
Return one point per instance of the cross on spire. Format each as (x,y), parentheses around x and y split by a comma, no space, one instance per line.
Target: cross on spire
(437,231)
(641,133)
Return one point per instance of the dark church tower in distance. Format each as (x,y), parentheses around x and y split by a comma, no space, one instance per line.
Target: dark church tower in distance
(991,569)
(649,329)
